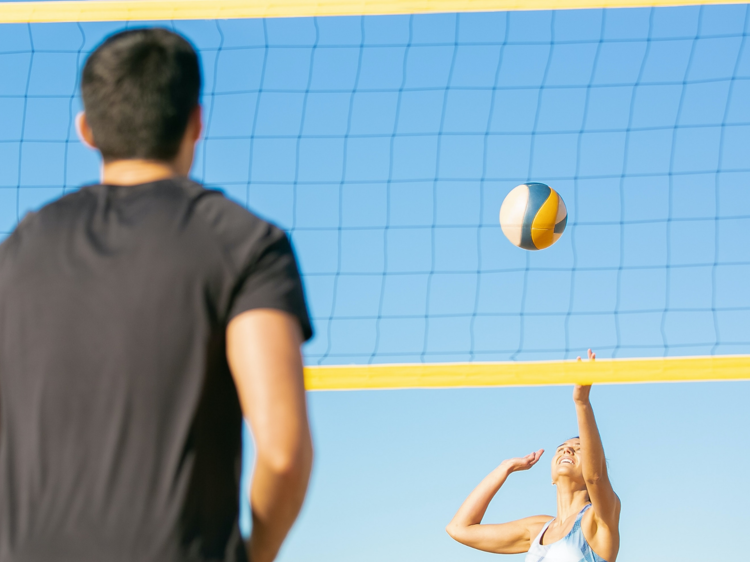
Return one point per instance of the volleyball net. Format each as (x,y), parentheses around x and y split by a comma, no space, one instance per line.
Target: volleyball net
(385,139)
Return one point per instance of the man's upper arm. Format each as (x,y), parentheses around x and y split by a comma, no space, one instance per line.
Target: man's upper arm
(263,349)
(263,304)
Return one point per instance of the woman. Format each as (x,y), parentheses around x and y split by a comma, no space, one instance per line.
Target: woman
(588,510)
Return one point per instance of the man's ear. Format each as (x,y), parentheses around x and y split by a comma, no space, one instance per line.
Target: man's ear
(84,131)
(196,123)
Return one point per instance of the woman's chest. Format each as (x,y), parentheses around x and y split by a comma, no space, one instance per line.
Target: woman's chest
(555,533)
(560,551)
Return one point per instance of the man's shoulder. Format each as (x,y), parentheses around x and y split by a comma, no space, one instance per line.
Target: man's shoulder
(40,225)
(53,212)
(237,228)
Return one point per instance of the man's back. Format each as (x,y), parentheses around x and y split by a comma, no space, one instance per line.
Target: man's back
(120,425)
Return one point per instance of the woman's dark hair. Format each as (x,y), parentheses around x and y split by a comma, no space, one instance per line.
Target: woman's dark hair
(563,443)
(139,88)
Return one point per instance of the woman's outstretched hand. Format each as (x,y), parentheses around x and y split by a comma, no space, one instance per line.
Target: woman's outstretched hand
(522,463)
(581,392)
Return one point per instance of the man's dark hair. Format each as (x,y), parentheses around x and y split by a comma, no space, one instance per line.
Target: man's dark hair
(139,88)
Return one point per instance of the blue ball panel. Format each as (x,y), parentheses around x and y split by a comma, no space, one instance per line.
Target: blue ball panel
(560,226)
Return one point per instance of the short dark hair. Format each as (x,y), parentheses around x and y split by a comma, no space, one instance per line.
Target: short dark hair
(139,88)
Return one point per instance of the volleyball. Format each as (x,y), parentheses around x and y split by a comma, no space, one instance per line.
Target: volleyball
(533,216)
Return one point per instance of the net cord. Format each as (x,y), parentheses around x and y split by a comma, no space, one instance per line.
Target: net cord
(170,10)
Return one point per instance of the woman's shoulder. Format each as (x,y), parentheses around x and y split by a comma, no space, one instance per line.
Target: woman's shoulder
(590,517)
(601,538)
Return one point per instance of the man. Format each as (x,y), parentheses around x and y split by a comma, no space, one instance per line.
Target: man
(140,319)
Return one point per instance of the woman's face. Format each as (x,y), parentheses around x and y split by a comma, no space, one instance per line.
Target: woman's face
(567,460)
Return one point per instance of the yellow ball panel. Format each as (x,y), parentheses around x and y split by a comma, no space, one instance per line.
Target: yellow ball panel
(543,226)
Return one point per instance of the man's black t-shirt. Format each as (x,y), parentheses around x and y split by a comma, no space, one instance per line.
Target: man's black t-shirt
(120,425)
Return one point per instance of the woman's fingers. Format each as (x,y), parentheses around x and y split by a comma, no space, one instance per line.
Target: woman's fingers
(534,457)
(591,354)
(524,463)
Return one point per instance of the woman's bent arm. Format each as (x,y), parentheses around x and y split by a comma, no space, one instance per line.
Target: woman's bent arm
(504,538)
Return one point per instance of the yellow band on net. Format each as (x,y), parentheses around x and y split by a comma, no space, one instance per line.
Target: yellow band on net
(155,10)
(601,371)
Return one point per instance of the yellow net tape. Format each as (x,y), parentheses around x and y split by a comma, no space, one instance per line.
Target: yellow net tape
(601,371)
(155,10)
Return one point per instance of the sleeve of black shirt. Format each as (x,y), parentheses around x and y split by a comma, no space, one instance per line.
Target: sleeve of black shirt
(262,270)
(271,279)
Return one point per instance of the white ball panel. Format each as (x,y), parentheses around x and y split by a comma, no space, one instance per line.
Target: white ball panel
(512,213)
(562,211)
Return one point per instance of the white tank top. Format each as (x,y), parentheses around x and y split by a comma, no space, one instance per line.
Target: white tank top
(573,547)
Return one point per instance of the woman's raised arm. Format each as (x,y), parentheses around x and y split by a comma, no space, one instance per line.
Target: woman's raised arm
(503,538)
(606,504)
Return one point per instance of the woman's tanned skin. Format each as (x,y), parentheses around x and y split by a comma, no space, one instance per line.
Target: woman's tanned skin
(579,471)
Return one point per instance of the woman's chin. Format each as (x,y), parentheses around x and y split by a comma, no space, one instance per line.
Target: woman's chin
(568,472)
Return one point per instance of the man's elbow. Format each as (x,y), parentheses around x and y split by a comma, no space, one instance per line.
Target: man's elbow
(291,461)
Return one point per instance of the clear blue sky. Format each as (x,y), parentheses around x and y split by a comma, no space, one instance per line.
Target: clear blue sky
(385,146)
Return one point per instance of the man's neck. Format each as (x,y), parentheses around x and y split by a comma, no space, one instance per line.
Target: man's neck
(135,172)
